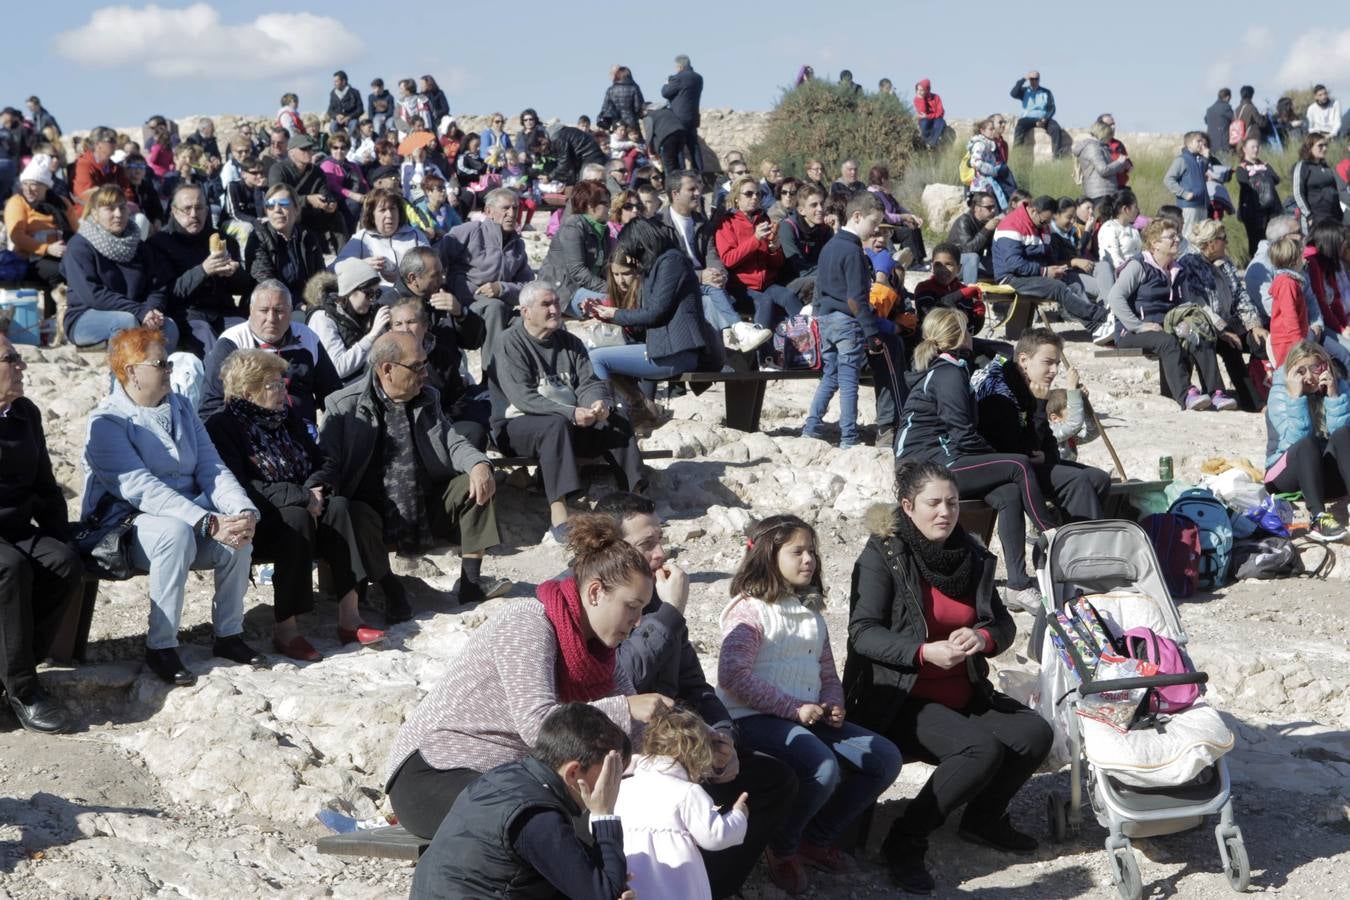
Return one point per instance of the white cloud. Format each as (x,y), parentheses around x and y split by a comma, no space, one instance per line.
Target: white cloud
(193,41)
(1258,39)
(1316,56)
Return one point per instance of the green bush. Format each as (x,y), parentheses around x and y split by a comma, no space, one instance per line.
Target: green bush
(821,120)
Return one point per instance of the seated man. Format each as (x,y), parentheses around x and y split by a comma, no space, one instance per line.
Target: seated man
(548,403)
(40,573)
(244,199)
(466,406)
(204,137)
(410,479)
(1038,111)
(1011,396)
(486,265)
(849,182)
(202,282)
(1022,259)
(310,377)
(659,658)
(319,207)
(973,235)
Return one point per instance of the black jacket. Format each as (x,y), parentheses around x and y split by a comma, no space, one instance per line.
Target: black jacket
(886,627)
(348,105)
(440,106)
(671,310)
(1217,119)
(573,258)
(451,337)
(232,443)
(659,125)
(658,657)
(310,181)
(623,103)
(243,203)
(972,237)
(572,149)
(209,145)
(684,90)
(705,244)
(28,490)
(1011,419)
(1257,194)
(802,244)
(939,421)
(268,255)
(193,294)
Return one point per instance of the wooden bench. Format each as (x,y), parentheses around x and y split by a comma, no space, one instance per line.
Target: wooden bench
(745,391)
(1021,310)
(389,842)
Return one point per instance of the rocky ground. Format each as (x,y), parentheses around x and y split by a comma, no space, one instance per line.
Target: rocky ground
(211,791)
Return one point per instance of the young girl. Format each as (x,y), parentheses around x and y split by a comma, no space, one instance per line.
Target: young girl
(1118,240)
(777,677)
(1288,307)
(667,817)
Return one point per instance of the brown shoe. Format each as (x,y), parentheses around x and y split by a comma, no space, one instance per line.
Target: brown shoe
(827,859)
(786,872)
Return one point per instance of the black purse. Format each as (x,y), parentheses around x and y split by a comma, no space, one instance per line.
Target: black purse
(104,539)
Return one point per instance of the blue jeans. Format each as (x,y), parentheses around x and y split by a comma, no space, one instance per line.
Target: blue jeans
(167,547)
(931,130)
(840,773)
(581,294)
(717,308)
(973,268)
(842,356)
(773,295)
(632,360)
(94,326)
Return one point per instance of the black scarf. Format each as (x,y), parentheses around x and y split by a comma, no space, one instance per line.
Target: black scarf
(272,449)
(953,567)
(406,522)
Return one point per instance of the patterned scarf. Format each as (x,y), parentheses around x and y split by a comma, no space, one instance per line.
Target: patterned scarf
(272,449)
(585,670)
(406,523)
(117,247)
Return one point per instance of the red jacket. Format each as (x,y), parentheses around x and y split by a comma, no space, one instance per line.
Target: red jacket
(929,107)
(749,260)
(1118,150)
(1288,315)
(88,174)
(1328,292)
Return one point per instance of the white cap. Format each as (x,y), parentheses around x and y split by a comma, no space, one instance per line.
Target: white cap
(39,169)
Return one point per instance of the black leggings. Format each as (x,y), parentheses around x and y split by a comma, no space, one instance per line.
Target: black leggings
(421,794)
(293,539)
(985,753)
(1174,361)
(1008,483)
(1319,467)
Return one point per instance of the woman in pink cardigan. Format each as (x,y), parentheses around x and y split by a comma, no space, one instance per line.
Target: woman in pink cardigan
(522,664)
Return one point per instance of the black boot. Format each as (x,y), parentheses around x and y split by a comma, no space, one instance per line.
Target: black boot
(396,606)
(166,664)
(997,833)
(234,649)
(904,857)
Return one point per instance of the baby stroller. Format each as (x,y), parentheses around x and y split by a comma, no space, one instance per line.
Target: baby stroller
(1150,773)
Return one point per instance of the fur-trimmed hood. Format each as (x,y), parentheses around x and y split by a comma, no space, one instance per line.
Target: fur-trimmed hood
(321,284)
(882,519)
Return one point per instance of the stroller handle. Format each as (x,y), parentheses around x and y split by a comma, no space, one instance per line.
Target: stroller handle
(1155,681)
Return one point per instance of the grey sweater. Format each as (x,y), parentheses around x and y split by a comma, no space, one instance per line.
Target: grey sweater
(549,376)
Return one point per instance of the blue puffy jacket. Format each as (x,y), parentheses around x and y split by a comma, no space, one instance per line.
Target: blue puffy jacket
(1289,420)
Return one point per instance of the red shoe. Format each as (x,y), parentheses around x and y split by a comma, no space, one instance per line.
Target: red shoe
(363,635)
(827,859)
(786,872)
(297,648)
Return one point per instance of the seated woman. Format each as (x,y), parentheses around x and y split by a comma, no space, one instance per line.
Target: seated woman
(265,443)
(384,235)
(1141,298)
(1325,269)
(527,659)
(39,227)
(626,207)
(674,336)
(1306,417)
(280,247)
(924,617)
(748,244)
(345,179)
(786,193)
(112,282)
(1118,241)
(907,228)
(342,312)
(148,454)
(575,264)
(1208,277)
(940,417)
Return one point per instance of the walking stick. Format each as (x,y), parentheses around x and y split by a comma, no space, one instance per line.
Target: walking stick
(1110,448)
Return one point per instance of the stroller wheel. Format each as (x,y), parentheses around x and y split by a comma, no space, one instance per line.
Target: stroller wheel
(1238,870)
(1056,812)
(1129,883)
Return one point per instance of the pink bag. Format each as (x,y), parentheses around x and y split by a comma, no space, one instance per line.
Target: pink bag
(1145,644)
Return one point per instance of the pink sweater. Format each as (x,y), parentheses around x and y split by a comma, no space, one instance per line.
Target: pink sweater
(742,638)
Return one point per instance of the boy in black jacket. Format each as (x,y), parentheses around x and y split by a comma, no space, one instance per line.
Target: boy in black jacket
(512,829)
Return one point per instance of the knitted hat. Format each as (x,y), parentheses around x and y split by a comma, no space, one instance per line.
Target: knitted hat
(353,273)
(39,169)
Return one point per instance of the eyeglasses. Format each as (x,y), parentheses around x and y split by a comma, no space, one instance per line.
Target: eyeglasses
(283,202)
(417,367)
(196,208)
(632,206)
(277,385)
(163,365)
(749,193)
(13,359)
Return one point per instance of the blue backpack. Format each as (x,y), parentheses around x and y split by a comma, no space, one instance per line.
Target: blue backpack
(1216,533)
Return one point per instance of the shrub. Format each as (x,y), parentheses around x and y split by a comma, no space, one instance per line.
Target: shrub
(822,120)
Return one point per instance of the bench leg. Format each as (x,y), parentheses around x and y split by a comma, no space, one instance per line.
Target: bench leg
(745,400)
(1019,317)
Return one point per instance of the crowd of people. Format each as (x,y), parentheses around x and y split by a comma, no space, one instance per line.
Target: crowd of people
(289,314)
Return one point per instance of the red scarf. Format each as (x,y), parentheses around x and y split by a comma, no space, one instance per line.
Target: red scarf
(585,670)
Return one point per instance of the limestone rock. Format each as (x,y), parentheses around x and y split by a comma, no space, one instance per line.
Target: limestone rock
(942,204)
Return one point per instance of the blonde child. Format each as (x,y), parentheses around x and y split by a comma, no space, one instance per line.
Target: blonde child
(667,817)
(777,677)
(1070,418)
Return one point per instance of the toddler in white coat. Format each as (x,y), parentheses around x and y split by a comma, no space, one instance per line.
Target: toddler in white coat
(667,817)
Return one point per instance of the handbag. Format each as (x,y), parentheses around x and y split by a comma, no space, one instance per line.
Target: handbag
(104,539)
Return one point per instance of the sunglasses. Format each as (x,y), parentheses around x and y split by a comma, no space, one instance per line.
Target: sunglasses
(283,202)
(162,364)
(632,206)
(749,193)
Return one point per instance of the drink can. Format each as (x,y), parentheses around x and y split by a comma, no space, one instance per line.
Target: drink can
(1165,468)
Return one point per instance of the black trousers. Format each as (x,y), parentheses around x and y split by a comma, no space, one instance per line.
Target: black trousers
(1235,364)
(1319,467)
(1024,127)
(888,380)
(421,794)
(294,539)
(772,787)
(1008,483)
(985,753)
(1174,360)
(904,236)
(1071,298)
(671,151)
(1079,490)
(47,269)
(39,577)
(558,444)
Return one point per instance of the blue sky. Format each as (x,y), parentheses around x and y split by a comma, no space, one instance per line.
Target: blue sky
(1155,65)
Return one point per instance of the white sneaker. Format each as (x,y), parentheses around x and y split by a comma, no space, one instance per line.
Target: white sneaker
(729,338)
(750,336)
(1028,599)
(1105,332)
